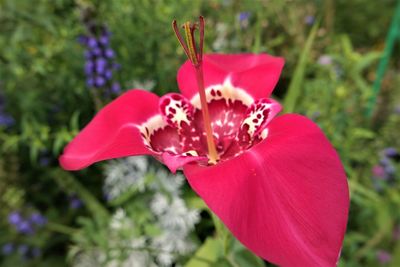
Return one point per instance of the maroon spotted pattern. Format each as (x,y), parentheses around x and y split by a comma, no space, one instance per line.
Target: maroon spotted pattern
(229,121)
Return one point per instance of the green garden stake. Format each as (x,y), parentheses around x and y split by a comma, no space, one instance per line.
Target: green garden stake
(393,35)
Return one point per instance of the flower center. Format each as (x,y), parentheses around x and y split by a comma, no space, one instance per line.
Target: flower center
(218,123)
(237,121)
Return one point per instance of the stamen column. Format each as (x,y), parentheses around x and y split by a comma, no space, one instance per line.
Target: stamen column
(196,57)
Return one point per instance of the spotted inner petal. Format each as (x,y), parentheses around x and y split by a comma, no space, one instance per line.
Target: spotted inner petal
(258,115)
(176,110)
(238,122)
(166,139)
(226,118)
(179,113)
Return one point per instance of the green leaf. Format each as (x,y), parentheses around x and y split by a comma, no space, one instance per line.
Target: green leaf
(224,263)
(207,255)
(359,133)
(296,84)
(367,60)
(245,258)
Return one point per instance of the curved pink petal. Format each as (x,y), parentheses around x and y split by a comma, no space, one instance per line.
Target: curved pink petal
(113,132)
(286,198)
(175,162)
(255,73)
(187,77)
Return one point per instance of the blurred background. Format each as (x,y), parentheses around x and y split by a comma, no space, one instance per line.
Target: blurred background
(62,60)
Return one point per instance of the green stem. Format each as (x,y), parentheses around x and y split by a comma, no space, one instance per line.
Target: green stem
(222,233)
(59,228)
(296,84)
(258,34)
(394,32)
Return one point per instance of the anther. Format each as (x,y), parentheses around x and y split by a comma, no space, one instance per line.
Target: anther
(195,55)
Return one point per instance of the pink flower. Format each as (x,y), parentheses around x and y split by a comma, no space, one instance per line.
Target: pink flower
(378,171)
(383,256)
(279,185)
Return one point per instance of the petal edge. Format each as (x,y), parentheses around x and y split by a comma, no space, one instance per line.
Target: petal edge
(113,132)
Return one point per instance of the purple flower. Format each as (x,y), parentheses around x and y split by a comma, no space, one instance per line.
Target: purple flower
(101,64)
(325,60)
(116,88)
(390,152)
(38,219)
(90,82)
(24,227)
(384,172)
(14,218)
(109,53)
(383,256)
(44,161)
(89,67)
(100,81)
(244,16)
(106,197)
(82,39)
(108,74)
(88,54)
(6,120)
(99,55)
(104,40)
(75,203)
(7,249)
(244,19)
(309,20)
(390,169)
(96,51)
(92,42)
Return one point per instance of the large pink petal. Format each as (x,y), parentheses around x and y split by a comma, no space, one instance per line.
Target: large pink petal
(255,73)
(286,198)
(113,132)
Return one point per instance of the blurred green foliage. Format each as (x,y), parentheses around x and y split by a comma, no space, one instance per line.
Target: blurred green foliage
(331,49)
